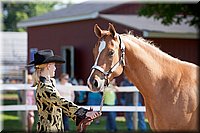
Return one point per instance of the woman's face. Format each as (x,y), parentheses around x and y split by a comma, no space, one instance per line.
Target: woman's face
(52,68)
(66,78)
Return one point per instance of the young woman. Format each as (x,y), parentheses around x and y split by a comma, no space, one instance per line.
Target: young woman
(30,100)
(48,100)
(67,94)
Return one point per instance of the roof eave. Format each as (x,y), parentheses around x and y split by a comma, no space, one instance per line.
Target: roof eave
(154,34)
(58,20)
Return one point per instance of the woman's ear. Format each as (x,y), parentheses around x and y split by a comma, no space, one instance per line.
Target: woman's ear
(48,66)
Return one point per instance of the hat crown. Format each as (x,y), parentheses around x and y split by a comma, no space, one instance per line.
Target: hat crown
(42,55)
(46,56)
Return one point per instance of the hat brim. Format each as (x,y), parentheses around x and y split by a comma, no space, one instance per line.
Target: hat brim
(55,58)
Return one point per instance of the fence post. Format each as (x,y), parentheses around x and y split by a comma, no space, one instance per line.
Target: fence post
(135,114)
(24,113)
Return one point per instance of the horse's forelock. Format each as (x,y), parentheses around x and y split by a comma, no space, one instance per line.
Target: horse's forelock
(104,34)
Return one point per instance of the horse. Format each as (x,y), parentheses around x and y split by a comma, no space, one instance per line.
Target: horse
(169,86)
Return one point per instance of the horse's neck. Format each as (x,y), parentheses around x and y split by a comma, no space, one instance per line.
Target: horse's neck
(145,66)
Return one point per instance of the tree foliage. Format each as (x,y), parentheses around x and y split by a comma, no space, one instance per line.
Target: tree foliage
(173,13)
(16,12)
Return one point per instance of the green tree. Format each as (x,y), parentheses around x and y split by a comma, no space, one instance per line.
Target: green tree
(16,12)
(173,13)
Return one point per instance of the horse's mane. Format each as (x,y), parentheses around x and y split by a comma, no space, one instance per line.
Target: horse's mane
(148,42)
(149,45)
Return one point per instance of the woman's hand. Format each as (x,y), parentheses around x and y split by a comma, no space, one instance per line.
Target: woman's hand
(90,116)
(93,114)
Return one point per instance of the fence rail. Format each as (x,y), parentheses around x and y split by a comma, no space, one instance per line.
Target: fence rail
(74,87)
(96,108)
(7,87)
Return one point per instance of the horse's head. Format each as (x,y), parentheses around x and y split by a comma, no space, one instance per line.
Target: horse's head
(109,58)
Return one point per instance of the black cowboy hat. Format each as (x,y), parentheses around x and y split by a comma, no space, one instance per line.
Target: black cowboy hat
(46,56)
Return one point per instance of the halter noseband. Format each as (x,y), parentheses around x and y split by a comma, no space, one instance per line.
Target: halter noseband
(114,67)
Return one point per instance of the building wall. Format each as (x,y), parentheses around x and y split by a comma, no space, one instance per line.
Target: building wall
(13,55)
(57,36)
(183,49)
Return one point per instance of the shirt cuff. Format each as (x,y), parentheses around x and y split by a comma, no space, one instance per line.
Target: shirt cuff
(80,115)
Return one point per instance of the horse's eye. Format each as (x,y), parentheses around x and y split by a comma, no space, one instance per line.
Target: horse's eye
(111,53)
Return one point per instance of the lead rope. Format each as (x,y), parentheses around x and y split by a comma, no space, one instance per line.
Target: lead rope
(102,100)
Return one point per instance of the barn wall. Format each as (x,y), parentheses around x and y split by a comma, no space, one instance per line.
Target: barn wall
(183,49)
(56,36)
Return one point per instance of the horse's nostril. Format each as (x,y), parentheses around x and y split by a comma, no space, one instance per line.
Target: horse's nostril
(95,83)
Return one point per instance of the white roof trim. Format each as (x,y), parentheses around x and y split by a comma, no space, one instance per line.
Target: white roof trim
(58,20)
(152,34)
(153,28)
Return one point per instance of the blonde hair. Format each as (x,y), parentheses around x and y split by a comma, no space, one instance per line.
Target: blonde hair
(37,73)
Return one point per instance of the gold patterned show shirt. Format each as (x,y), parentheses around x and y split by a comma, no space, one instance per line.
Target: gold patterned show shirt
(50,106)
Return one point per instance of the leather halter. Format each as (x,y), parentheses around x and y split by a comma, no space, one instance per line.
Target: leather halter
(114,67)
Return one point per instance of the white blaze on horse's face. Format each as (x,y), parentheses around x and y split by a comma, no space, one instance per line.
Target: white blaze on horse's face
(102,46)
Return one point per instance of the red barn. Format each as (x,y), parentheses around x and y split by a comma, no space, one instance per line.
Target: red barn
(69,32)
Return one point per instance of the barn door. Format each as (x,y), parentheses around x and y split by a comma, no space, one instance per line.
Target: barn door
(68,55)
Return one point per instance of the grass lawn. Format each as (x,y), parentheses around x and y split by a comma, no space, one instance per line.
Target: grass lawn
(12,122)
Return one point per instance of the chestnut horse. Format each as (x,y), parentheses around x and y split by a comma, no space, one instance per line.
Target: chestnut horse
(169,86)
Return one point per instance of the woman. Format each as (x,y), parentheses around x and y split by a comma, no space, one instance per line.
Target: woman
(30,100)
(48,100)
(67,94)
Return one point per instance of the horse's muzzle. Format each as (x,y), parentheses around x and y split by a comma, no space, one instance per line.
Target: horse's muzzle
(96,84)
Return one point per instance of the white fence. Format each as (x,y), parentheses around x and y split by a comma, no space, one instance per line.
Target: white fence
(131,89)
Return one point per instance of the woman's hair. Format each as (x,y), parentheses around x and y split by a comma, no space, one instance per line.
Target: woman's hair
(63,75)
(37,73)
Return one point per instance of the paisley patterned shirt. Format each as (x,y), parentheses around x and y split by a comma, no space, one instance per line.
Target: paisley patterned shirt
(50,106)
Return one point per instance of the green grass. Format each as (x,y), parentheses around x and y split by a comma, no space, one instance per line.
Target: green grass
(10,116)
(13,123)
(9,95)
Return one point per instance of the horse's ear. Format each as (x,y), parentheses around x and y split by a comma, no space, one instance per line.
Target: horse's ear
(112,30)
(97,31)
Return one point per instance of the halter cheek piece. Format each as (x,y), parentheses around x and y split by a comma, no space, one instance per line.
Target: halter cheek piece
(114,67)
